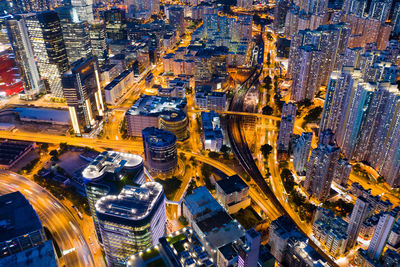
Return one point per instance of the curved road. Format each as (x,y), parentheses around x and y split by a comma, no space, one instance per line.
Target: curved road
(54,216)
(242,152)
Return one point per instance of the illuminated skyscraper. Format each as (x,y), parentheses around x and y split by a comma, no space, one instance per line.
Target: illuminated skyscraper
(358,102)
(76,34)
(132,221)
(107,174)
(84,96)
(381,235)
(366,120)
(356,7)
(331,40)
(314,6)
(23,6)
(379,140)
(144,8)
(340,86)
(115,22)
(159,149)
(395,21)
(97,33)
(83,9)
(306,69)
(18,35)
(49,48)
(360,212)
(246,4)
(287,125)
(319,174)
(301,152)
(380,9)
(176,18)
(280,10)
(342,171)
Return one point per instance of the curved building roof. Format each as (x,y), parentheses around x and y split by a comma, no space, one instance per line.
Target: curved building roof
(112,162)
(133,204)
(173,115)
(155,137)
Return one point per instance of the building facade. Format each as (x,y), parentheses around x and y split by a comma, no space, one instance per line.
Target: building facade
(359,213)
(84,95)
(286,127)
(48,45)
(301,152)
(131,221)
(106,175)
(159,149)
(24,56)
(320,168)
(233,193)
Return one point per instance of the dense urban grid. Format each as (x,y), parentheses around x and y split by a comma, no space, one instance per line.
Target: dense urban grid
(226,133)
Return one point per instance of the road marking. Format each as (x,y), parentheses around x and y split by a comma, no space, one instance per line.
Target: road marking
(65,252)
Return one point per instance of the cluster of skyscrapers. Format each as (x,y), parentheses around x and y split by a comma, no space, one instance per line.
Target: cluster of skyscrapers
(320,39)
(364,116)
(349,52)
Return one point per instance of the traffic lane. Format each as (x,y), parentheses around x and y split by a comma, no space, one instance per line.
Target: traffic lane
(54,216)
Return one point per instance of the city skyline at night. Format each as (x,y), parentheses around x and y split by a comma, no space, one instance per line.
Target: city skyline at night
(226,133)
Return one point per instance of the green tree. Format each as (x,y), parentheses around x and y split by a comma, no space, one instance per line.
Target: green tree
(206,170)
(213,155)
(266,150)
(287,180)
(44,146)
(225,149)
(183,220)
(313,115)
(63,148)
(268,83)
(267,110)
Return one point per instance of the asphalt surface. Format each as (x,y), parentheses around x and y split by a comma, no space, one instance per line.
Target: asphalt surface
(54,216)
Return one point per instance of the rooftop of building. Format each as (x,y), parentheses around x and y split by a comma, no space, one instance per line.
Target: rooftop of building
(12,150)
(107,67)
(43,114)
(117,80)
(209,119)
(133,203)
(229,251)
(393,255)
(214,222)
(201,201)
(41,255)
(232,184)
(118,57)
(182,247)
(286,228)
(111,162)
(265,255)
(203,88)
(220,229)
(155,106)
(158,137)
(17,216)
(308,254)
(173,115)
